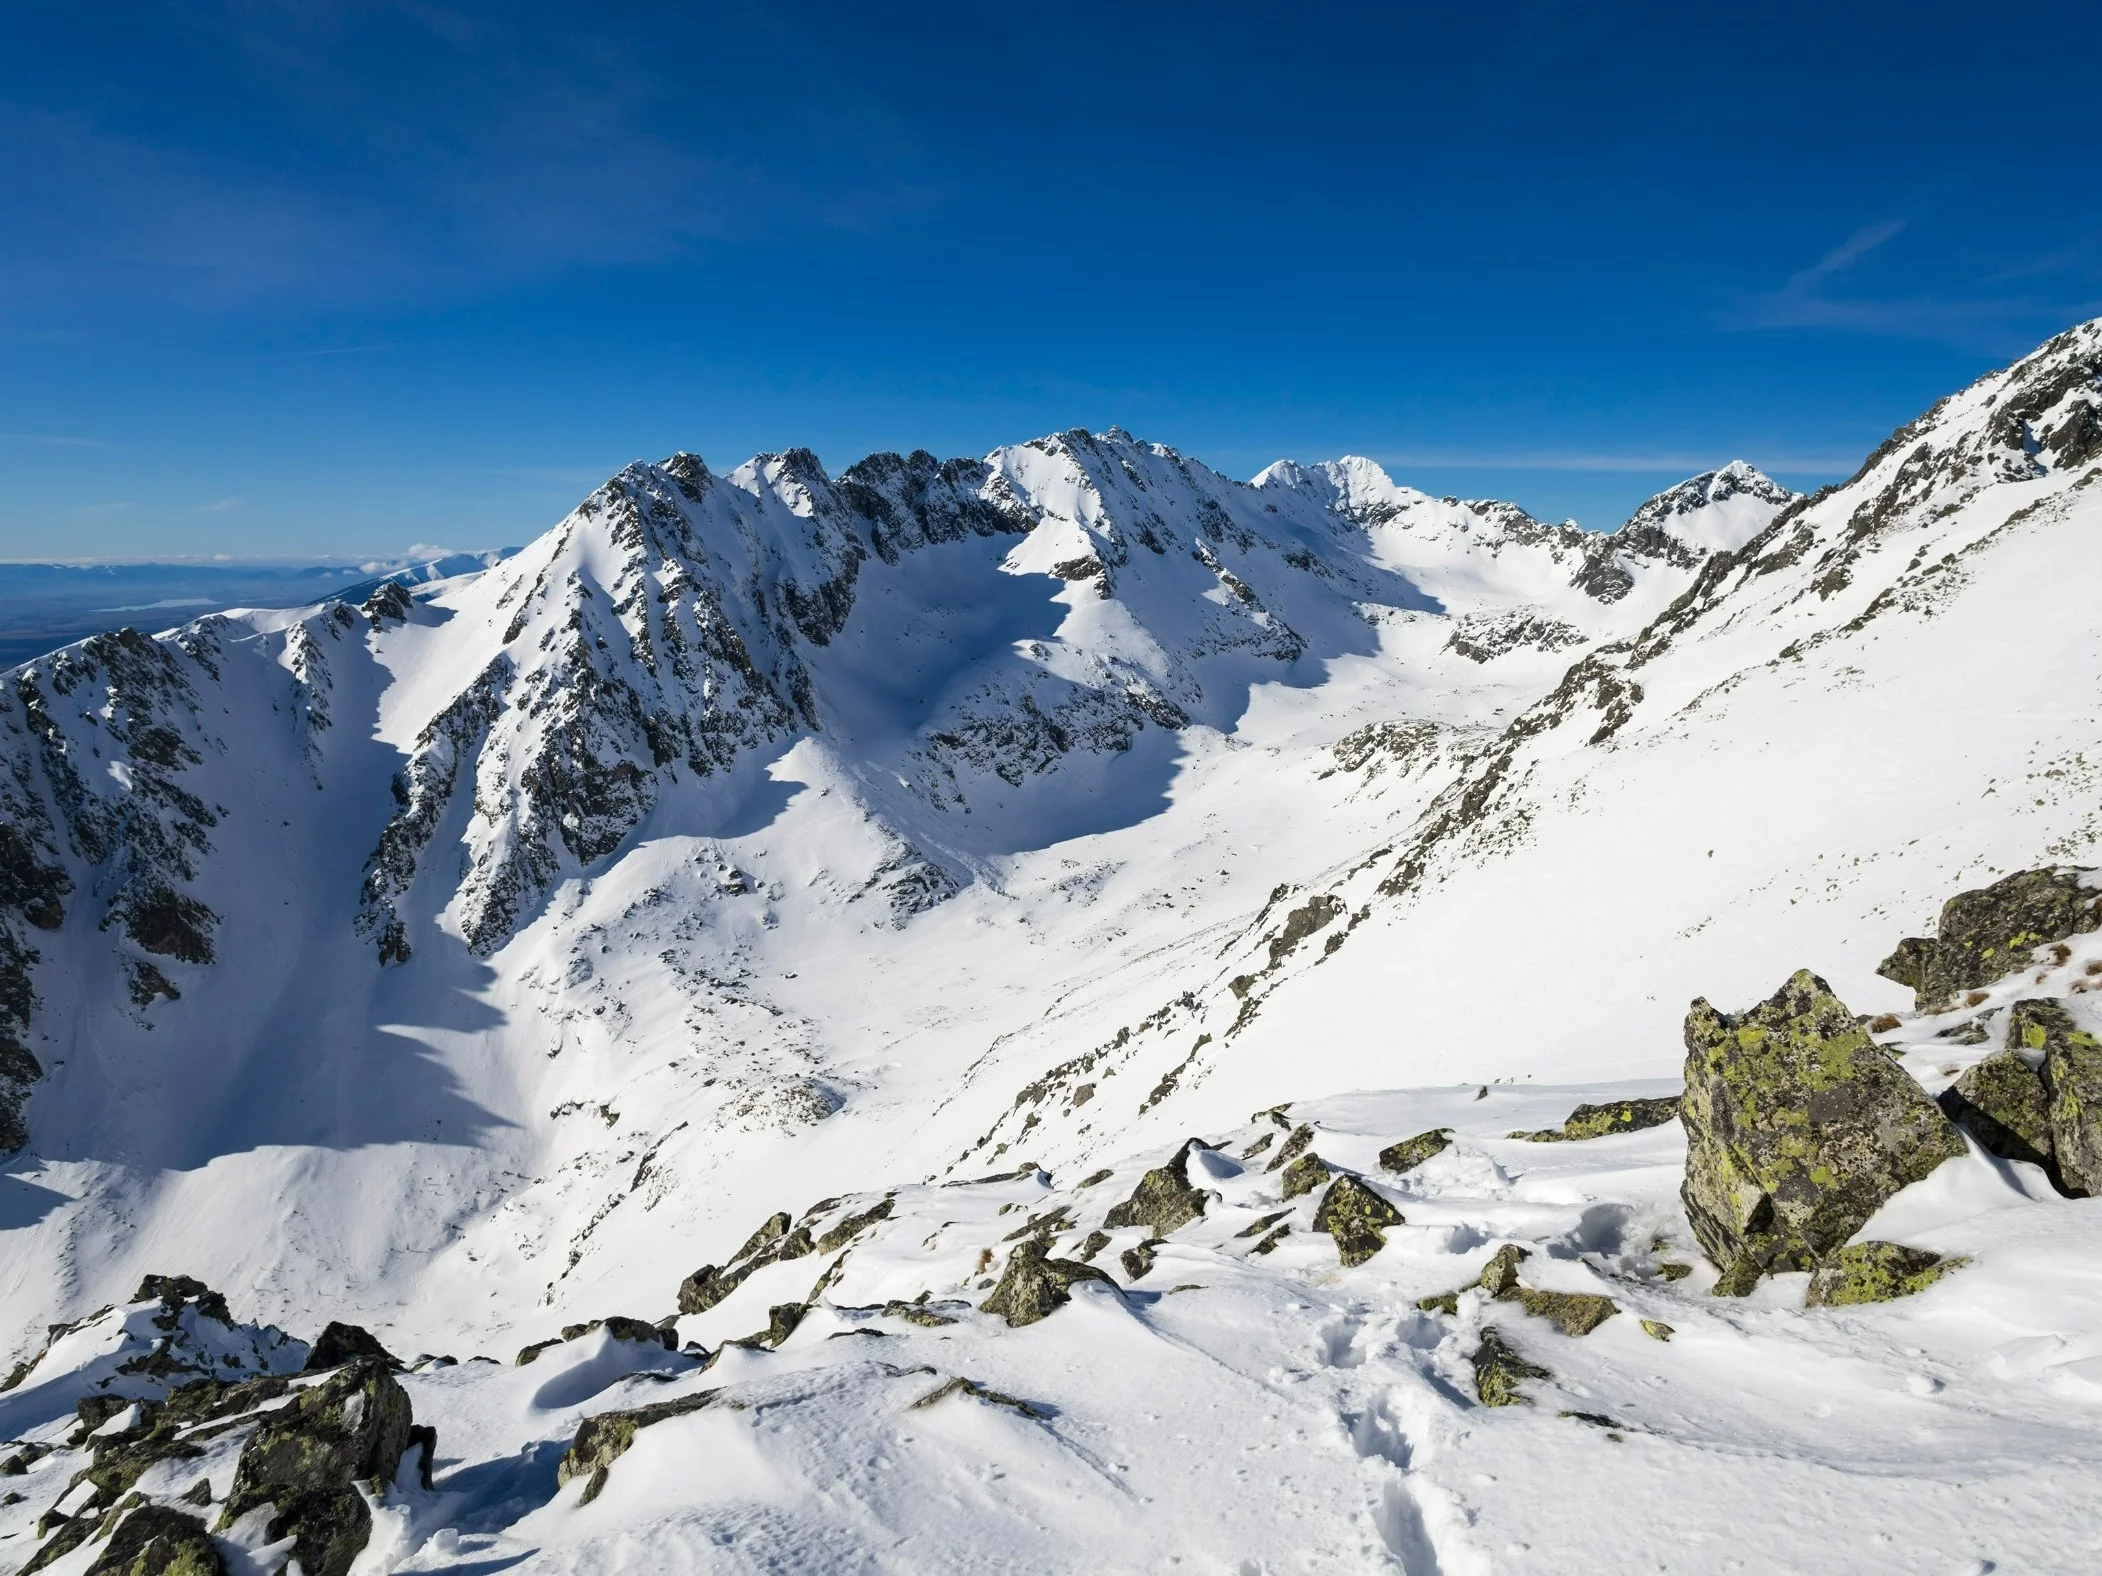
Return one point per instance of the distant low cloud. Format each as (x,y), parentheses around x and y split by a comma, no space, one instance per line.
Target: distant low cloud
(1614,461)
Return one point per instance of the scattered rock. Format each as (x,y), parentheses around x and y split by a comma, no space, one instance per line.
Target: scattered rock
(307,1457)
(781,1321)
(1498,1370)
(2001,1101)
(527,1354)
(706,1287)
(1988,934)
(1875,1272)
(771,1230)
(1097,1177)
(1657,1330)
(1598,1121)
(347,1343)
(1303,1175)
(851,1227)
(2072,1079)
(1138,1261)
(1292,1148)
(1272,1240)
(1798,1127)
(1262,1224)
(1412,1152)
(1095,1242)
(1571,1312)
(1499,1277)
(971,1387)
(156,1541)
(602,1440)
(1164,1199)
(1035,1285)
(1354,1215)
(916,1313)
(621,1328)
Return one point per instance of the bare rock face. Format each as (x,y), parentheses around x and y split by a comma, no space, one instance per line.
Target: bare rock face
(2072,1081)
(1875,1272)
(1036,1285)
(308,1457)
(1163,1199)
(1988,934)
(2001,1102)
(1798,1127)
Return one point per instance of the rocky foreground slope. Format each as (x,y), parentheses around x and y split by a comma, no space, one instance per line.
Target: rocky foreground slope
(873,908)
(1317,1340)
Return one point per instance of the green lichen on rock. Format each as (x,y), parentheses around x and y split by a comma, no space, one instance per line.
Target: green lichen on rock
(1988,934)
(1354,1215)
(781,1321)
(2072,1080)
(604,1439)
(305,1458)
(1571,1312)
(1875,1272)
(156,1541)
(1412,1152)
(1498,1371)
(853,1226)
(1657,1330)
(1138,1260)
(771,1230)
(1035,1285)
(1303,1175)
(1798,1127)
(1600,1121)
(1292,1148)
(1164,1199)
(2001,1101)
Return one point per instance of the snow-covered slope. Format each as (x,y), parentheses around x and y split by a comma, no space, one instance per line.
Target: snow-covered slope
(479,961)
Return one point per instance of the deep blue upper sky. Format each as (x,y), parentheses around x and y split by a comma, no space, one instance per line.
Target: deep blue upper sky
(312,276)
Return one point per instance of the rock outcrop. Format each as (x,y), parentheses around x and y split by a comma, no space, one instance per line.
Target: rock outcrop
(156,1541)
(1413,1152)
(1798,1127)
(308,1458)
(2072,1080)
(1164,1199)
(1571,1312)
(1355,1216)
(1036,1285)
(1986,935)
(604,1439)
(1597,1121)
(347,1343)
(1498,1371)
(2001,1103)
(1875,1272)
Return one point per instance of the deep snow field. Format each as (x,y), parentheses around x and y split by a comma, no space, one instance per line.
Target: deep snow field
(480,963)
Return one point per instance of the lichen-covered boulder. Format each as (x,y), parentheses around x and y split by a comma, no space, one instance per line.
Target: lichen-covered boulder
(1598,1121)
(1295,1145)
(1498,1371)
(1875,1272)
(2001,1101)
(771,1230)
(2072,1078)
(1571,1312)
(604,1439)
(1354,1215)
(1035,1285)
(1798,1127)
(1412,1152)
(306,1458)
(156,1541)
(707,1286)
(1988,934)
(1137,1259)
(1164,1199)
(1303,1176)
(347,1343)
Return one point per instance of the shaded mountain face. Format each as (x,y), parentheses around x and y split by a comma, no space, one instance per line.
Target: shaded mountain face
(522,925)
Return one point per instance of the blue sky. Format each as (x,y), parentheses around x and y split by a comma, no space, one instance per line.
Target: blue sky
(329,277)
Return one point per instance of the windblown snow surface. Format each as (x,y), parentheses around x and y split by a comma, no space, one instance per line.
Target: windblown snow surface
(930,850)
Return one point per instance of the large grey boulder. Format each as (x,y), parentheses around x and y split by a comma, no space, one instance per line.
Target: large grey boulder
(1989,934)
(307,1458)
(1798,1127)
(1164,1199)
(2072,1079)
(1035,1285)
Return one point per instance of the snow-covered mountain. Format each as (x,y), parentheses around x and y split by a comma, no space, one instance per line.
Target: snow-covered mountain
(482,959)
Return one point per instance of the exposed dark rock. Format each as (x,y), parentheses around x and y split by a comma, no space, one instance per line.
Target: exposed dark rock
(707,1286)
(621,1328)
(172,1292)
(1597,1121)
(1498,1371)
(781,1321)
(1988,934)
(1034,1285)
(307,1457)
(347,1343)
(916,1313)
(1412,1152)
(771,1230)
(1303,1175)
(1657,1330)
(156,1541)
(1095,1243)
(971,1387)
(853,1226)
(1164,1199)
(2072,1075)
(1798,1127)
(2001,1101)
(1354,1215)
(530,1354)
(1138,1260)
(1294,1146)
(602,1440)
(1875,1272)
